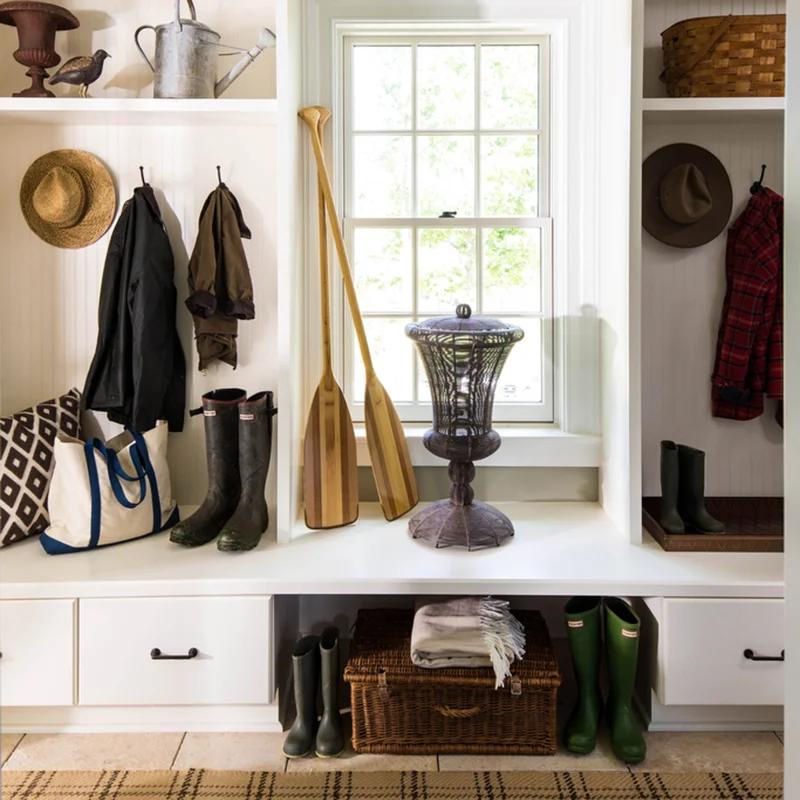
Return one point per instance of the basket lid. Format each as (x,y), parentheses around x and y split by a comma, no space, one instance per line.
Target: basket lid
(381,653)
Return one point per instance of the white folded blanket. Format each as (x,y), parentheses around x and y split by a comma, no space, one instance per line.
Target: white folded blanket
(467,632)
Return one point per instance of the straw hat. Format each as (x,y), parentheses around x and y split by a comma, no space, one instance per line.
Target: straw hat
(686,195)
(68,198)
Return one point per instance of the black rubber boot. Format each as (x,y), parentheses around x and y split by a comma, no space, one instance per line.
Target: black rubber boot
(622,649)
(330,739)
(585,645)
(691,491)
(305,671)
(670,519)
(251,518)
(221,418)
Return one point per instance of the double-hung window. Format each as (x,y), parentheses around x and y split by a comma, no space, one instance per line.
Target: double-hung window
(446,201)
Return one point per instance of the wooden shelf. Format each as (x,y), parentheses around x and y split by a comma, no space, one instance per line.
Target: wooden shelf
(137,111)
(705,110)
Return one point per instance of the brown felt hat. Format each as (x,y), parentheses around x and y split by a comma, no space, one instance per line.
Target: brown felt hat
(687,197)
(68,198)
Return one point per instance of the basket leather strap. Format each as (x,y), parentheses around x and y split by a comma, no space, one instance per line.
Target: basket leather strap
(460,713)
(670,75)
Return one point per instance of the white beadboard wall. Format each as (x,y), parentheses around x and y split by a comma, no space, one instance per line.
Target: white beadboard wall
(126,74)
(683,290)
(661,14)
(682,295)
(49,298)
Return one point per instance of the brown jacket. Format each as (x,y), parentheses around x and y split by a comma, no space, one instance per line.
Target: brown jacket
(221,290)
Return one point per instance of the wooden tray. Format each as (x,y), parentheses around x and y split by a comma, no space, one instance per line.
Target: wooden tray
(754,525)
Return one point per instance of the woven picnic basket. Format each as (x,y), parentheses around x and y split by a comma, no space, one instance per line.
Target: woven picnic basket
(733,56)
(398,707)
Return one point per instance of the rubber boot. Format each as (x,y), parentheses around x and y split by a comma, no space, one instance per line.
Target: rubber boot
(305,671)
(622,650)
(670,519)
(585,644)
(691,491)
(221,419)
(251,518)
(330,739)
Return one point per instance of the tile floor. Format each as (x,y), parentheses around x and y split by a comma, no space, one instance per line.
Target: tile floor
(673,752)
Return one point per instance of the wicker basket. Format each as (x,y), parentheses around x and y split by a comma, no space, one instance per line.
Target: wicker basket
(726,56)
(398,707)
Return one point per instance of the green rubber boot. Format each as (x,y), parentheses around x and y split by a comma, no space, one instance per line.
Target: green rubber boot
(622,649)
(583,632)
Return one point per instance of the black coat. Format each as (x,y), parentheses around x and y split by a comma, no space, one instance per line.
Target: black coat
(138,374)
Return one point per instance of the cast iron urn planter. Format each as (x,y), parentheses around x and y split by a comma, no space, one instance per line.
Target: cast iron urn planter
(36,25)
(463,358)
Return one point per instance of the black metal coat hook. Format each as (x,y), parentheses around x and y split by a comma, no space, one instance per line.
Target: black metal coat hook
(757,185)
(141,172)
(219,175)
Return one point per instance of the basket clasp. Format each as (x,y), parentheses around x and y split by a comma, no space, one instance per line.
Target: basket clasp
(516,686)
(383,688)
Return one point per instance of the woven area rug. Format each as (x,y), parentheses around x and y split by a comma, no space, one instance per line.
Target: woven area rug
(202,785)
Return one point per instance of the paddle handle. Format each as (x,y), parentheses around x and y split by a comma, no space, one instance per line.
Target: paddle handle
(311,118)
(324,287)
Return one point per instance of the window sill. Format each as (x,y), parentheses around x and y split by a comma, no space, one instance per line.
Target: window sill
(523,446)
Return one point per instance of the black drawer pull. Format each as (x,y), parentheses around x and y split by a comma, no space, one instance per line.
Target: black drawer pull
(157,655)
(751,656)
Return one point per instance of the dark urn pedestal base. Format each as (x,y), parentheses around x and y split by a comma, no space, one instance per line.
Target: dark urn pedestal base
(461,521)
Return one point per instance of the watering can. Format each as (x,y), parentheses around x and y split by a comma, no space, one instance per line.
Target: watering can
(186,57)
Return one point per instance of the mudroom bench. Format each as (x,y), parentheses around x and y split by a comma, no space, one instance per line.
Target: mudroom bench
(150,636)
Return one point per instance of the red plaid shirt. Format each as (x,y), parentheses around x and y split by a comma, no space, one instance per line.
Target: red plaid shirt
(749,361)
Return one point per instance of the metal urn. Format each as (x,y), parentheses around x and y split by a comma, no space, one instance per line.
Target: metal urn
(37,24)
(463,358)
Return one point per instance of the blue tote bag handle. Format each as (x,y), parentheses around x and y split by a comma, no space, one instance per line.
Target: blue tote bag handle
(144,474)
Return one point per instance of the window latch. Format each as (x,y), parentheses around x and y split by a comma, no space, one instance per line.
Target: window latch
(448,215)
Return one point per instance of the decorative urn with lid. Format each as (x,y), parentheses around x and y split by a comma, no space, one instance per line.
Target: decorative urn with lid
(463,357)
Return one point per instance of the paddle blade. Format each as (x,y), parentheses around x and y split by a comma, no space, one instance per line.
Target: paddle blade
(388,451)
(330,479)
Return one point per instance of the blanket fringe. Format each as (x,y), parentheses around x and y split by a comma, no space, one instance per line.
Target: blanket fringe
(503,635)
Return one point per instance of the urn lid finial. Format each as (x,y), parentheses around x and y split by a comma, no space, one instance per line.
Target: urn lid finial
(440,329)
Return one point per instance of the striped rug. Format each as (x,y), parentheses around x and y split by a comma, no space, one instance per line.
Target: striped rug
(204,785)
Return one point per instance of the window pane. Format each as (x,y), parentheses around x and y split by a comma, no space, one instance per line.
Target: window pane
(446,175)
(510,86)
(521,378)
(445,87)
(391,356)
(512,278)
(382,263)
(381,88)
(382,180)
(446,269)
(509,175)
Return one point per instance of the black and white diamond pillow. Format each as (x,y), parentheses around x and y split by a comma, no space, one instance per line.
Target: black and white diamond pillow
(27,462)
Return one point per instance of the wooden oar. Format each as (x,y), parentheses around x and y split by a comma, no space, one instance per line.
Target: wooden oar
(388,449)
(330,478)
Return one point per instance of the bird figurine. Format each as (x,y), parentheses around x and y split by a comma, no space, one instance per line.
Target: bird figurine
(81,71)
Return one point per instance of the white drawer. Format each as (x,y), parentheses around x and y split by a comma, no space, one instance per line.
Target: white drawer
(702,652)
(232,637)
(37,643)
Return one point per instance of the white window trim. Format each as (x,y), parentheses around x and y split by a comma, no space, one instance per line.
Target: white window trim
(522,413)
(577,325)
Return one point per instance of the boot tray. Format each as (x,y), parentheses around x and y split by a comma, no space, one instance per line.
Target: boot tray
(753,525)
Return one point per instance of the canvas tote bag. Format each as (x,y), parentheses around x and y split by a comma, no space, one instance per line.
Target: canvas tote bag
(105,494)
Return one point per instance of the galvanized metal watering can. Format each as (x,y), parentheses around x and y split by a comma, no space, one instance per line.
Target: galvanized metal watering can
(187,53)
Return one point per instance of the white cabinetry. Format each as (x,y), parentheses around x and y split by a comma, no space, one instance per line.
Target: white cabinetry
(37,646)
(702,646)
(223,644)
